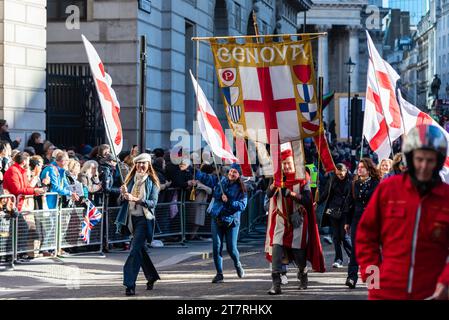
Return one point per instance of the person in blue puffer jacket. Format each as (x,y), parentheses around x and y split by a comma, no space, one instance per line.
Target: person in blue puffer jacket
(225,211)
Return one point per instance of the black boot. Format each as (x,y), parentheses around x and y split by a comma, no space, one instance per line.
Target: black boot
(276,286)
(303,280)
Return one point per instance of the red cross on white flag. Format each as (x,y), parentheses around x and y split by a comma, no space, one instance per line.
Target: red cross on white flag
(108,100)
(382,122)
(266,90)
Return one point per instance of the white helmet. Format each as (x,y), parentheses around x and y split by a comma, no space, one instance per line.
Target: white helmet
(425,137)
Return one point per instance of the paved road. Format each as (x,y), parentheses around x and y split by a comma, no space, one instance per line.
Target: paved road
(186,273)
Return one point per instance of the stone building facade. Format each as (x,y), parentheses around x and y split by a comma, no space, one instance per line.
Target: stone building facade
(114,27)
(22,66)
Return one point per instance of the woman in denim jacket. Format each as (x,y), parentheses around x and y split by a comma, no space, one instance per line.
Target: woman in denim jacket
(136,216)
(225,212)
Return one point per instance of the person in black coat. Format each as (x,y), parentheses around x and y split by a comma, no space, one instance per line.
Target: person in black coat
(4,135)
(363,187)
(335,198)
(35,141)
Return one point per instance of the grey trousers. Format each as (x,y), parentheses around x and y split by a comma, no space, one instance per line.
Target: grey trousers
(299,256)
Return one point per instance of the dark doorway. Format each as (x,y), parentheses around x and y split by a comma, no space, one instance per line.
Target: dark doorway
(73,109)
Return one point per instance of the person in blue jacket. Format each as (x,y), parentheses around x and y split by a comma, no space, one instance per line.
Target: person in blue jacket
(56,171)
(225,211)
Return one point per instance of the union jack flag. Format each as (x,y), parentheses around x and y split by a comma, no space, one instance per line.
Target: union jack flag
(91,219)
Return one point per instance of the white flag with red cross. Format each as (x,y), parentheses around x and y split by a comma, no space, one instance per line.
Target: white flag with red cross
(210,126)
(108,100)
(382,122)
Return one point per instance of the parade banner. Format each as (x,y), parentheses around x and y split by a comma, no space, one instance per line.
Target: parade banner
(269,85)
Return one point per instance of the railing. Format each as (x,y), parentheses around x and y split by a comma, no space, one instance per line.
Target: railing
(49,231)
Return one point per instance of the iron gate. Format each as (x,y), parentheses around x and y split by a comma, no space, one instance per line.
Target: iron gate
(73,109)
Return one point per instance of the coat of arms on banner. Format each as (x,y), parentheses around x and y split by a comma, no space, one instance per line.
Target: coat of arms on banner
(228,76)
(231,95)
(309,110)
(306,92)
(234,113)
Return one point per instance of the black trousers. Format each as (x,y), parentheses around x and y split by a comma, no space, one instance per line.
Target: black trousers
(339,237)
(353,267)
(299,256)
(138,256)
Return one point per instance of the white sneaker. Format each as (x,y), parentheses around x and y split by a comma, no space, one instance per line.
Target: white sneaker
(337,264)
(157,244)
(284,279)
(328,239)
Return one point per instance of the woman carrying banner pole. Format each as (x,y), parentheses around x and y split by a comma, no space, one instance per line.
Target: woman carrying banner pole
(139,196)
(229,201)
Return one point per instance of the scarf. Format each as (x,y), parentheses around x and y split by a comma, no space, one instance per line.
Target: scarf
(138,189)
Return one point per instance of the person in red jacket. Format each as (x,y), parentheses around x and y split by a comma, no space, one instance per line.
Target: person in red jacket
(402,242)
(16,180)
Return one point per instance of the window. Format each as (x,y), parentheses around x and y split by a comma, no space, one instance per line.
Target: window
(237,17)
(289,13)
(192,2)
(56,9)
(264,28)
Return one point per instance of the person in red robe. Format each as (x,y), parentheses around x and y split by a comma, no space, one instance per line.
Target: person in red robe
(292,232)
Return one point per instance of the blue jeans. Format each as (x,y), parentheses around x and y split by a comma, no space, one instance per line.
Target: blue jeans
(138,256)
(231,234)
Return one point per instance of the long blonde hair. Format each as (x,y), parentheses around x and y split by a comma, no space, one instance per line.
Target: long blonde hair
(87,167)
(151,174)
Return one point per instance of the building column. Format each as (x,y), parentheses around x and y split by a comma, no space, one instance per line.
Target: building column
(22,66)
(354,54)
(323,62)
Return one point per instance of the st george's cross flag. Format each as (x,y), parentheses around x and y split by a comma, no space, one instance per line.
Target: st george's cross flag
(382,122)
(108,100)
(210,126)
(387,113)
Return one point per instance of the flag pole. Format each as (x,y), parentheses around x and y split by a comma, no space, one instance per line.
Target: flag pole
(192,193)
(312,35)
(256,26)
(320,115)
(197,104)
(108,134)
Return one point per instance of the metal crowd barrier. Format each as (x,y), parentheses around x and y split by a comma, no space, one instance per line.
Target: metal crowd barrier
(36,230)
(196,217)
(7,234)
(111,235)
(69,225)
(170,216)
(56,229)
